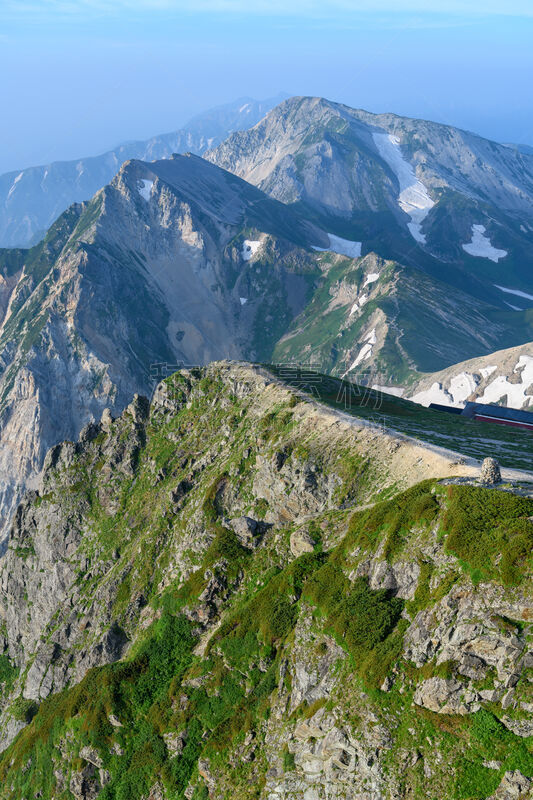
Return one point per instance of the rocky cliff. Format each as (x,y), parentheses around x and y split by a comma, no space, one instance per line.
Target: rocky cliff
(237,591)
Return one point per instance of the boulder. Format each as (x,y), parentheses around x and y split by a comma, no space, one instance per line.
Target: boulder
(441,696)
(248,531)
(301,542)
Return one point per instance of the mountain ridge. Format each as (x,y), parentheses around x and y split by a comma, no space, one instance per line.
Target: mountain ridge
(308,150)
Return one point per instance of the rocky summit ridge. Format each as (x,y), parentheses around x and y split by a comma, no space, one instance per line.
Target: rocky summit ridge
(235,590)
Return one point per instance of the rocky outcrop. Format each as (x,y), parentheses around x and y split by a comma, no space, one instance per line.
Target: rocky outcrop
(329,761)
(469,628)
(514,786)
(444,697)
(46,559)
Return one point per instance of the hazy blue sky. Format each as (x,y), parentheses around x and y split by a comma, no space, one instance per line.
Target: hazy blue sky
(79,76)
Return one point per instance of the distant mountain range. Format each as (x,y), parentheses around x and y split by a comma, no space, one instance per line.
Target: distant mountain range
(375,247)
(31,199)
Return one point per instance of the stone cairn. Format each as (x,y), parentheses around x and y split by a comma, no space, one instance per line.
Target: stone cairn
(490,472)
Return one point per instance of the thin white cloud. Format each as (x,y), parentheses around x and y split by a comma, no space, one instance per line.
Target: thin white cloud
(481,7)
(321,8)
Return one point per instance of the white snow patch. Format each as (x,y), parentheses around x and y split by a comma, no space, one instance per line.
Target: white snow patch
(517,292)
(17,179)
(515,308)
(344,247)
(364,353)
(354,308)
(249,249)
(414,198)
(435,394)
(371,278)
(245,106)
(396,391)
(481,246)
(243,300)
(461,387)
(363,299)
(145,188)
(515,392)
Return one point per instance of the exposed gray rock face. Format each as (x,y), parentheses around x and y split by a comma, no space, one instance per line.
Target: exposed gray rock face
(248,531)
(442,696)
(401,578)
(331,760)
(88,782)
(301,542)
(327,156)
(467,629)
(291,492)
(68,630)
(490,472)
(514,786)
(312,675)
(52,537)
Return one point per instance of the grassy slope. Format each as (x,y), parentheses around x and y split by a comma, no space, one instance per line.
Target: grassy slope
(428,327)
(513,447)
